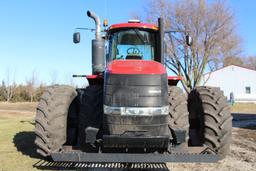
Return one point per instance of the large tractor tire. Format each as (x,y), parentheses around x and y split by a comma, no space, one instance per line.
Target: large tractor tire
(210,119)
(91,111)
(51,119)
(178,111)
(72,120)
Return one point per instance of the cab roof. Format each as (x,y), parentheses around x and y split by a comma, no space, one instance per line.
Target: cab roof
(132,25)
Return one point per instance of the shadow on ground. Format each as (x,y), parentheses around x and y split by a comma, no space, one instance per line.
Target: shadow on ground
(241,120)
(30,122)
(24,142)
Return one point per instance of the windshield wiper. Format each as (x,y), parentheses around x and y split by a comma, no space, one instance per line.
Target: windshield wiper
(140,36)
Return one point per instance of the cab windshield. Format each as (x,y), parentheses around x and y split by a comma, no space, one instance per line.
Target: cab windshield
(132,44)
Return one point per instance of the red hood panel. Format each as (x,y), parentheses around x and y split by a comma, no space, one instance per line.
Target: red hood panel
(135,67)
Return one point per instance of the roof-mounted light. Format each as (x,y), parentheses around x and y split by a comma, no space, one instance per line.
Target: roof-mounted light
(134,21)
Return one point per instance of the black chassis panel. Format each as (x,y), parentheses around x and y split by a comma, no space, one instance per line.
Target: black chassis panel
(132,90)
(150,125)
(114,141)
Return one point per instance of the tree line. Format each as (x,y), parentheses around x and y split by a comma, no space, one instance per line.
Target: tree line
(31,89)
(248,62)
(20,93)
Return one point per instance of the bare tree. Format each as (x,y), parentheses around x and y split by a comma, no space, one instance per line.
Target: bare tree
(233,61)
(31,83)
(69,79)
(54,77)
(250,62)
(212,27)
(8,85)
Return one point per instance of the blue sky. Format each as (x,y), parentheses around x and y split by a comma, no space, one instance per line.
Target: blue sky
(36,36)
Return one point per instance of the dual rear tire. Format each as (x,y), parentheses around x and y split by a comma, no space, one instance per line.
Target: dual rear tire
(178,111)
(210,119)
(51,119)
(205,116)
(62,116)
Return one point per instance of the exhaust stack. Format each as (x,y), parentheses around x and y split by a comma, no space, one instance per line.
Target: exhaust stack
(97,23)
(98,47)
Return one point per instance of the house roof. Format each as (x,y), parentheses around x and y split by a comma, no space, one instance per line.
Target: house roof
(230,66)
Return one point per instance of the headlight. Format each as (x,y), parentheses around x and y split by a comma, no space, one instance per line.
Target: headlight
(137,110)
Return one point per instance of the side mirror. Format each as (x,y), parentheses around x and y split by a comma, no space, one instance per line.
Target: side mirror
(76,37)
(189,40)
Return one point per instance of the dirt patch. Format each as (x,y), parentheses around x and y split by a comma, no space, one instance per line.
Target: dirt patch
(242,151)
(17,110)
(24,106)
(242,155)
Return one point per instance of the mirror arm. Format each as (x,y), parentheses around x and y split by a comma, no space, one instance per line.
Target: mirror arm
(90,29)
(176,31)
(80,28)
(189,40)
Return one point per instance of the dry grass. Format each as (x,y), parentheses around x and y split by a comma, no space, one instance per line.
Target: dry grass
(17,110)
(244,108)
(23,106)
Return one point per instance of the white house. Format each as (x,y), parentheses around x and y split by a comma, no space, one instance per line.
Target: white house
(234,79)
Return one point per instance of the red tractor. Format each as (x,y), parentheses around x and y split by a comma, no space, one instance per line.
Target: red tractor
(132,111)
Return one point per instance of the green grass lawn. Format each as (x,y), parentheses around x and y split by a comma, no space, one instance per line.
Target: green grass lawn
(17,149)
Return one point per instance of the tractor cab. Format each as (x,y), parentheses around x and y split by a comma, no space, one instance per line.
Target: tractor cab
(132,41)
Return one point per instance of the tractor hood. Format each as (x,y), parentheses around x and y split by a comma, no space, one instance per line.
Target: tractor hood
(135,83)
(135,67)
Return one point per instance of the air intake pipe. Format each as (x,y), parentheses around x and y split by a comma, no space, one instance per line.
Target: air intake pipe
(98,47)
